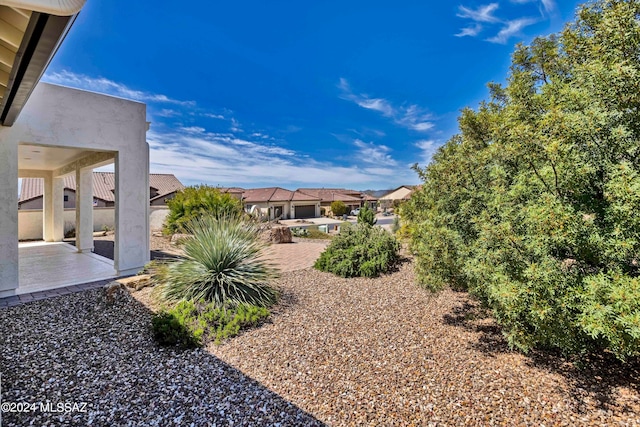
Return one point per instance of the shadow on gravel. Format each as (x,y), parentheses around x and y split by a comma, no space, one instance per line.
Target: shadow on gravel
(83,348)
(595,377)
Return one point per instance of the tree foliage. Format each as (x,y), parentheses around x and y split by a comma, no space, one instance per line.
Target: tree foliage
(535,205)
(339,208)
(196,202)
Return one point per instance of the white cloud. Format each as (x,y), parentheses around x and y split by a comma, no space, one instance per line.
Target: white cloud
(510,29)
(410,117)
(427,149)
(549,5)
(470,31)
(372,153)
(221,159)
(481,14)
(195,156)
(109,87)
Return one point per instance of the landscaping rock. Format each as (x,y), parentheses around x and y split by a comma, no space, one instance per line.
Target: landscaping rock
(136,282)
(280,235)
(111,291)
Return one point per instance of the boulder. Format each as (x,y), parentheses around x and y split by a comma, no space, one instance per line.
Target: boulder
(280,235)
(111,291)
(136,282)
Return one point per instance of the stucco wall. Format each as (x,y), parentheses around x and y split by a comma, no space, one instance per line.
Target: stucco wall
(30,221)
(63,117)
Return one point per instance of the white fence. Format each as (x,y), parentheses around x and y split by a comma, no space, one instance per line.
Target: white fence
(30,221)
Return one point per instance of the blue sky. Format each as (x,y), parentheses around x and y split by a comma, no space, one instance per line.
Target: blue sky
(299,94)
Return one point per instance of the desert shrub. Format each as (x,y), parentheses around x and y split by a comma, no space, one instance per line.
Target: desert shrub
(535,205)
(366,216)
(195,202)
(339,208)
(300,232)
(359,250)
(191,324)
(222,264)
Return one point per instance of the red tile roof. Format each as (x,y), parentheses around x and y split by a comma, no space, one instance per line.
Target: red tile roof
(275,194)
(342,194)
(103,186)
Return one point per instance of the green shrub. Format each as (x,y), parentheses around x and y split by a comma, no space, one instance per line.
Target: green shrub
(222,264)
(535,205)
(395,227)
(339,208)
(300,232)
(359,250)
(189,324)
(366,216)
(197,201)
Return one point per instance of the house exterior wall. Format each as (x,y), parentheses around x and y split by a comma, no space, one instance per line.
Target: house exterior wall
(63,117)
(30,221)
(399,194)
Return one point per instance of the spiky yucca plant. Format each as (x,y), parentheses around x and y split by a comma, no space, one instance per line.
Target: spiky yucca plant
(222,265)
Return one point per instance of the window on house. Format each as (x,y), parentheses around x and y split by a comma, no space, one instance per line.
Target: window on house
(66,198)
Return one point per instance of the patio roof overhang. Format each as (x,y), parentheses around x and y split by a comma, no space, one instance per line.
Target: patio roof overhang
(30,34)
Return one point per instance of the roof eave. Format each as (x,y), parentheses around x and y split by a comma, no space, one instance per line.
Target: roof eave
(39,44)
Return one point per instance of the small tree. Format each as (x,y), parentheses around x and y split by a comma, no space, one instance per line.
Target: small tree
(196,202)
(338,208)
(366,216)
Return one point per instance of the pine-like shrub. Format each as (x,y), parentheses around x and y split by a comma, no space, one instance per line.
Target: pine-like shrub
(359,250)
(366,216)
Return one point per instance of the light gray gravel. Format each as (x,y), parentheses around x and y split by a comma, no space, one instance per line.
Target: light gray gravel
(76,349)
(342,351)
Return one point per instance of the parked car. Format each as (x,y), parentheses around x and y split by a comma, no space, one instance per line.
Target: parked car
(355,212)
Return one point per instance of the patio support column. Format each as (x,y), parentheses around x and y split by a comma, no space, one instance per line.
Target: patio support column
(53,212)
(84,209)
(131,250)
(8,216)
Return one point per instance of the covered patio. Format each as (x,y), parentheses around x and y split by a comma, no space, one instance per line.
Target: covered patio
(64,131)
(52,265)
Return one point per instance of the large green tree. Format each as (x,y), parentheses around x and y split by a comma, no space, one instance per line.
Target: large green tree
(535,205)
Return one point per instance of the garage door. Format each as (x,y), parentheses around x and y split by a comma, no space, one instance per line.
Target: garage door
(305,211)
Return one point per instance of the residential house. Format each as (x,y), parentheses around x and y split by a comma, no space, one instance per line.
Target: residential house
(352,198)
(279,203)
(162,187)
(400,194)
(49,132)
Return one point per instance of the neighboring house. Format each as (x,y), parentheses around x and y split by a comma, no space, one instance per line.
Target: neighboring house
(50,132)
(398,195)
(279,203)
(233,191)
(162,187)
(352,198)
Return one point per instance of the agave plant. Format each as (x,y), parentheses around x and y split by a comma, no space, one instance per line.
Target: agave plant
(223,264)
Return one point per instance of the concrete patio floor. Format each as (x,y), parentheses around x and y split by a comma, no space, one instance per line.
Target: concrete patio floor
(44,266)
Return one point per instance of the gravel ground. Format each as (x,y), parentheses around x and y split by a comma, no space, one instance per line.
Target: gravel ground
(341,351)
(78,349)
